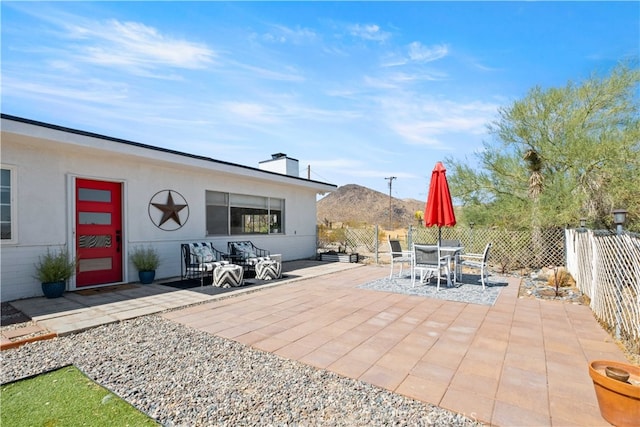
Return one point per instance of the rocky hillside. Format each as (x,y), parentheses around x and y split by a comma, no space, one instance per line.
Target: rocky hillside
(355,205)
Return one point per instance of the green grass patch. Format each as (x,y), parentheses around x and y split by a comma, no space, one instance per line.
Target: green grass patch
(65,397)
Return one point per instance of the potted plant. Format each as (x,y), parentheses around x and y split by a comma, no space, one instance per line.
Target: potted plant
(53,270)
(146,261)
(617,387)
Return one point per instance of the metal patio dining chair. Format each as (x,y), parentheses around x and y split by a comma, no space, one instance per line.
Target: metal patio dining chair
(478,261)
(429,259)
(398,256)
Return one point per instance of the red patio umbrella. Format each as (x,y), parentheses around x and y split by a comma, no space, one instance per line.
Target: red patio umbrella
(439,208)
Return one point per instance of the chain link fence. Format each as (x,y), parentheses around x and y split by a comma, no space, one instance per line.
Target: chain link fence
(606,268)
(510,251)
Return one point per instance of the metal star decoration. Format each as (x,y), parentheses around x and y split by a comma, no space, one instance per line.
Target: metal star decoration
(169,210)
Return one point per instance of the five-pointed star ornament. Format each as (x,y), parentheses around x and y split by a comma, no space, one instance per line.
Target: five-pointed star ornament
(169,210)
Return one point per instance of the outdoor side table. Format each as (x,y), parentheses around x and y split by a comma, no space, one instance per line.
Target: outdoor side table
(268,269)
(227,276)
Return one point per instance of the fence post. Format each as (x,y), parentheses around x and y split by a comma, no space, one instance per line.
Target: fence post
(410,238)
(375,244)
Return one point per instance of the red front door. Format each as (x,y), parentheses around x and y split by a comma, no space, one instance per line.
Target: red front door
(98,232)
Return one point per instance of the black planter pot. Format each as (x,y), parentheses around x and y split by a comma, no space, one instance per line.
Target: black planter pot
(54,289)
(146,277)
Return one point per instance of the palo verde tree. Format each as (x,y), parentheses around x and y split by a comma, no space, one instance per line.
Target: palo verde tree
(558,155)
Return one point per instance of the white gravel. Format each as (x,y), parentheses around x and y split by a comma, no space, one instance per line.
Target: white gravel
(183,377)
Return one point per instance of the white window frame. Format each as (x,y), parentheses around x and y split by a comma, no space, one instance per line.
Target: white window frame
(13,191)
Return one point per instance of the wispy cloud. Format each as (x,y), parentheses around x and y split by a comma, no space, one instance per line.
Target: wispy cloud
(425,121)
(135,46)
(288,74)
(370,32)
(421,53)
(283,34)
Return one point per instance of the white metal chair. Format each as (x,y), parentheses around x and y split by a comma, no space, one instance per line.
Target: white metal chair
(446,245)
(429,259)
(398,256)
(479,261)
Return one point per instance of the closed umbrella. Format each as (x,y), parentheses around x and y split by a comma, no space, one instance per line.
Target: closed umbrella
(439,208)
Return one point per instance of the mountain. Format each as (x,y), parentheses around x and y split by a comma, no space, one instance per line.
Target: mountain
(355,205)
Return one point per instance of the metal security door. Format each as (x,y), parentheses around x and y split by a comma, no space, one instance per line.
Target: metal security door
(98,232)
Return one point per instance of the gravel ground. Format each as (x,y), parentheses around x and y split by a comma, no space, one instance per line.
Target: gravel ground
(183,377)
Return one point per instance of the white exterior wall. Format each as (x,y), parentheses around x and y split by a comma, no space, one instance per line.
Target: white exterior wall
(45,171)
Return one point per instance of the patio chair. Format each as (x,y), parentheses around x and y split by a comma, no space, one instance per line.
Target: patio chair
(398,256)
(246,254)
(455,255)
(200,260)
(429,259)
(478,261)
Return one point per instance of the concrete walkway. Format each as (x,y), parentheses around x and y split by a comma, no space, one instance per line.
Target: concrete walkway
(518,362)
(78,311)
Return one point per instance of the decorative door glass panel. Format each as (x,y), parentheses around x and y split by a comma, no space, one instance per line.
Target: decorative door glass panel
(91,195)
(93,241)
(94,218)
(94,264)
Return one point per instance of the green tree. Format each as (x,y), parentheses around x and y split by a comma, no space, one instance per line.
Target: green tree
(557,155)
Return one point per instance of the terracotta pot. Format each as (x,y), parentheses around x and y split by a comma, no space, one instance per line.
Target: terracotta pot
(619,401)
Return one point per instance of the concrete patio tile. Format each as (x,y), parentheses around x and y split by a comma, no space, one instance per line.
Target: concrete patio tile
(423,389)
(367,353)
(506,414)
(444,355)
(270,344)
(132,314)
(339,348)
(399,359)
(474,383)
(239,329)
(66,327)
(433,372)
(381,376)
(250,338)
(477,407)
(293,351)
(19,332)
(214,328)
(320,358)
(313,340)
(349,366)
(574,412)
(416,342)
(533,364)
(489,369)
(524,389)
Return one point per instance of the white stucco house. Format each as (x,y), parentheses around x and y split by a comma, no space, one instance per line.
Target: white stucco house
(100,197)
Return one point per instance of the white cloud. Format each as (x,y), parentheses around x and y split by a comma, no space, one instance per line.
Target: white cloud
(135,47)
(422,121)
(251,112)
(368,32)
(284,34)
(289,74)
(420,53)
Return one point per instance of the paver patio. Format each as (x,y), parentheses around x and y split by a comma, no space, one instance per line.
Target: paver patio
(519,362)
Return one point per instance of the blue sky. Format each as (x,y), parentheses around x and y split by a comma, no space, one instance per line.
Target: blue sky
(358,91)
